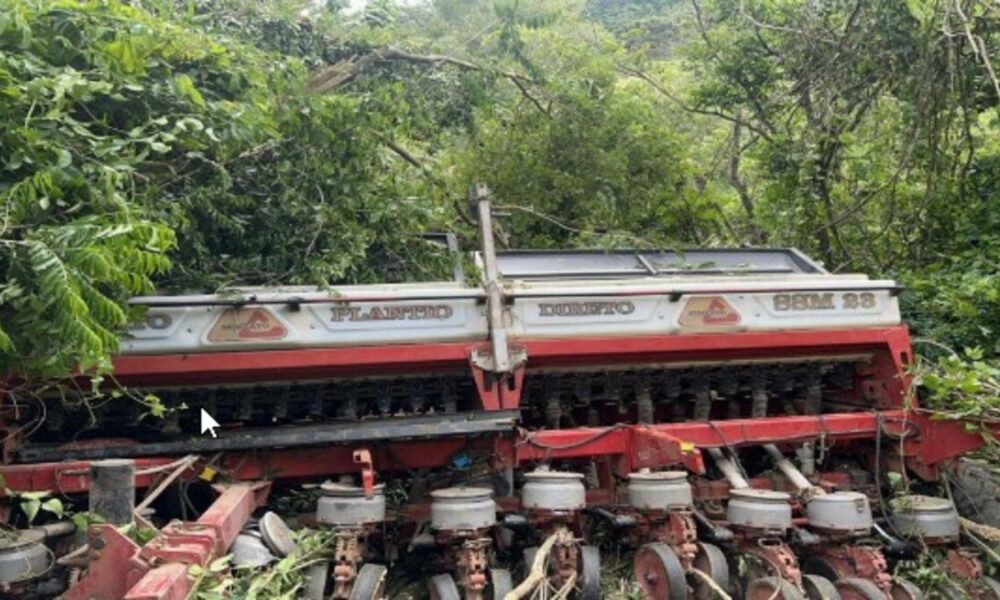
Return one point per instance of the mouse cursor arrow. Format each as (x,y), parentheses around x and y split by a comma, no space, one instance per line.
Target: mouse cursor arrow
(208,423)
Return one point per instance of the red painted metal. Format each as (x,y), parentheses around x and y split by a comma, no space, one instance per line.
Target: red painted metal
(120,569)
(269,365)
(166,582)
(652,448)
(964,563)
(584,442)
(854,560)
(927,443)
(69,477)
(114,566)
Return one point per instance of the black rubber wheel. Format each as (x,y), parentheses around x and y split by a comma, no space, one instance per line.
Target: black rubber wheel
(712,562)
(904,589)
(659,573)
(500,583)
(442,587)
(773,588)
(819,588)
(590,573)
(370,583)
(819,566)
(855,588)
(317,576)
(976,489)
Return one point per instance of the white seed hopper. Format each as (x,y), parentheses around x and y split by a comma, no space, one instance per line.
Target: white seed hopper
(562,294)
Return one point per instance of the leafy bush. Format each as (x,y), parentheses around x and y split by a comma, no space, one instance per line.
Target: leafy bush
(128,139)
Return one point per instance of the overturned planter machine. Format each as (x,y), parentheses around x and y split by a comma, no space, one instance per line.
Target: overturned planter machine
(569,388)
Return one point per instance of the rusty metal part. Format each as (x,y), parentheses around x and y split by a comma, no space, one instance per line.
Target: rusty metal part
(472,564)
(778,557)
(855,588)
(937,440)
(569,562)
(711,561)
(119,568)
(773,588)
(963,563)
(363,457)
(659,573)
(348,554)
(858,561)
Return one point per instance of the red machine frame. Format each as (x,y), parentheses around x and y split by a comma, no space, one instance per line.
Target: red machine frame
(922,442)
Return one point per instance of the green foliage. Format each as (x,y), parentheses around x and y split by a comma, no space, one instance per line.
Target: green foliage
(32,503)
(285,578)
(117,141)
(180,152)
(962,386)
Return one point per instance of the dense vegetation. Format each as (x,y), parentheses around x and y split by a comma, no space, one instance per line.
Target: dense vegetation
(200,144)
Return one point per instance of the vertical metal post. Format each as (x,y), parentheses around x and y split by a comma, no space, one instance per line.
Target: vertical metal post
(480,195)
(112,491)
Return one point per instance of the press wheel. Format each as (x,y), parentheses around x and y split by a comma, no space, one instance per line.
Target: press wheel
(820,566)
(442,587)
(855,588)
(317,576)
(990,588)
(500,583)
(904,589)
(711,561)
(589,573)
(659,573)
(773,588)
(819,588)
(370,583)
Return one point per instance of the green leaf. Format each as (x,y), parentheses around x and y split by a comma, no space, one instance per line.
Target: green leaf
(185,86)
(30,507)
(54,506)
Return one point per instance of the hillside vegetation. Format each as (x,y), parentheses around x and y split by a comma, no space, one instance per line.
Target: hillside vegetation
(201,144)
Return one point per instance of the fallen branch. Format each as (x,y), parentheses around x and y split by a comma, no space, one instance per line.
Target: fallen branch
(183,465)
(566,588)
(538,573)
(711,583)
(347,70)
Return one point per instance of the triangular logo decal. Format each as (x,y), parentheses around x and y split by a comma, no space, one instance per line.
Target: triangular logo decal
(247,325)
(709,311)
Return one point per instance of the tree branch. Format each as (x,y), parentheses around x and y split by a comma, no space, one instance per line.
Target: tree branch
(684,106)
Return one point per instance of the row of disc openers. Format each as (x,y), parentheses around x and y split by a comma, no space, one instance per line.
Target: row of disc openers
(816,543)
